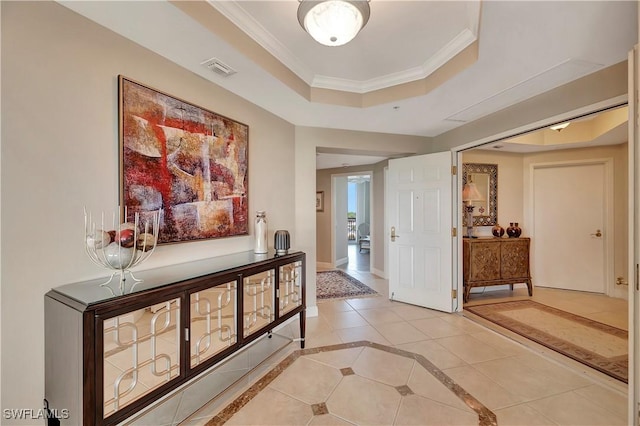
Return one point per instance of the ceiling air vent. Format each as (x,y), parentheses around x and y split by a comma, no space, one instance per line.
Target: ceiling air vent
(219,67)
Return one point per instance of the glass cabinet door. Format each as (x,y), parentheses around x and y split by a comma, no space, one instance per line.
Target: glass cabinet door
(290,287)
(213,321)
(141,353)
(258,301)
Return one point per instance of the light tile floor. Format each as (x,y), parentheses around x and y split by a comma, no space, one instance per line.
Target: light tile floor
(521,383)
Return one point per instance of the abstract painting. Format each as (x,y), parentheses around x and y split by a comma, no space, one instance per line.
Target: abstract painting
(190,162)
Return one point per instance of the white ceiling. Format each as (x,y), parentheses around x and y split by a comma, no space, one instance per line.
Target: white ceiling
(331,161)
(525,48)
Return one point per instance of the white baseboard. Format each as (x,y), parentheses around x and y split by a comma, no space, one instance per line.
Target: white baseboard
(342,261)
(379,273)
(323,265)
(312,311)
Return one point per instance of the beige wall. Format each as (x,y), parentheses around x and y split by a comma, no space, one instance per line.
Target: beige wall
(510,198)
(514,198)
(60,153)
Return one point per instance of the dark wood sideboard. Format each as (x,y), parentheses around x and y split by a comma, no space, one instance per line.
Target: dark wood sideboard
(109,355)
(495,261)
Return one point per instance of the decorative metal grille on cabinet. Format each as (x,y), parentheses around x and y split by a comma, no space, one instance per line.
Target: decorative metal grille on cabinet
(290,287)
(213,321)
(258,301)
(141,353)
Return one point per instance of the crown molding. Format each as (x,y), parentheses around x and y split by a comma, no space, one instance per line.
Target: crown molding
(234,12)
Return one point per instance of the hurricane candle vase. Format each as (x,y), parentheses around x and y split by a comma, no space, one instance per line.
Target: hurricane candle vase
(119,246)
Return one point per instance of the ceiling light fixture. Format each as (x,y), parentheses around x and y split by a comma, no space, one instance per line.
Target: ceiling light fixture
(559,127)
(333,22)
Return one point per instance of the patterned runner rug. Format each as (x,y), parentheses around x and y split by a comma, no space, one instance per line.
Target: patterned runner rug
(339,285)
(597,345)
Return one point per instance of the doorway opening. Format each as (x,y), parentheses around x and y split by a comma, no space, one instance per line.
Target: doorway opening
(559,186)
(355,255)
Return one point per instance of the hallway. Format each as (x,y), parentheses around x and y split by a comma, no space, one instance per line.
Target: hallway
(359,260)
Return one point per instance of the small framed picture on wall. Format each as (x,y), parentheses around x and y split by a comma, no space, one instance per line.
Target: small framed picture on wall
(319,201)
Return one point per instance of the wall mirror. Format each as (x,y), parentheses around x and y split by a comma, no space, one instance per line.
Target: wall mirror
(485,176)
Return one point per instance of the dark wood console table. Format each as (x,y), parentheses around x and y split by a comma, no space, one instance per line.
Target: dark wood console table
(495,261)
(110,355)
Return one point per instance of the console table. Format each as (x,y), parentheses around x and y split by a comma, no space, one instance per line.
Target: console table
(495,261)
(109,355)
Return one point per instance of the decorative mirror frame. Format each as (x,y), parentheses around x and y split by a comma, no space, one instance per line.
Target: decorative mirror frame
(492,206)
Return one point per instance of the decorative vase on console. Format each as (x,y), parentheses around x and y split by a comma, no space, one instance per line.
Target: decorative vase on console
(282,242)
(261,232)
(514,231)
(497,231)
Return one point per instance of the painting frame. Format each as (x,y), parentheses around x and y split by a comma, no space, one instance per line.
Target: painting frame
(185,160)
(319,201)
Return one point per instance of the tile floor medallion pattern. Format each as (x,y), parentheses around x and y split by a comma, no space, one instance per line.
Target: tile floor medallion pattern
(339,285)
(592,343)
(359,383)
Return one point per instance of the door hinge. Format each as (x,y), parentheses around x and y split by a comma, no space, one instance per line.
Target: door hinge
(637,278)
(186,334)
(454,294)
(454,170)
(454,232)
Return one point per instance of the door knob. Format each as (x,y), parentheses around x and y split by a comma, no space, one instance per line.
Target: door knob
(597,234)
(393,234)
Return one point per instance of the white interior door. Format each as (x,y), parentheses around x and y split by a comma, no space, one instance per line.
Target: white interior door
(569,212)
(634,239)
(419,210)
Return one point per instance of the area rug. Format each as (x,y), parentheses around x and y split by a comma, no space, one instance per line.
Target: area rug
(597,345)
(339,285)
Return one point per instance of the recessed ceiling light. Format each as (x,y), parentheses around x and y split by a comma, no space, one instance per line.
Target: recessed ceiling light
(559,127)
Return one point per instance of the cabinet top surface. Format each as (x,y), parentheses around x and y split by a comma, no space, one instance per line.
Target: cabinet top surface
(493,239)
(91,292)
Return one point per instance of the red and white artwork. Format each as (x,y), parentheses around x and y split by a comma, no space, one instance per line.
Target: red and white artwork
(188,161)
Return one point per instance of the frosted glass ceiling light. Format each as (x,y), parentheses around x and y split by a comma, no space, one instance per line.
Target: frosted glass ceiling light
(333,22)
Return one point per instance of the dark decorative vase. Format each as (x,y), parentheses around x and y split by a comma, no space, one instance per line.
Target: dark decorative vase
(514,231)
(282,242)
(518,230)
(497,231)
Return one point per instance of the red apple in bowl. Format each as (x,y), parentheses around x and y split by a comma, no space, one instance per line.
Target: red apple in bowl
(125,237)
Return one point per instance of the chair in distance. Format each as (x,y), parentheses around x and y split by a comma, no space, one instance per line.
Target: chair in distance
(364,239)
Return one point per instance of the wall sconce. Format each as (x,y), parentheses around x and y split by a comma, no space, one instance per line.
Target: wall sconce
(470,194)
